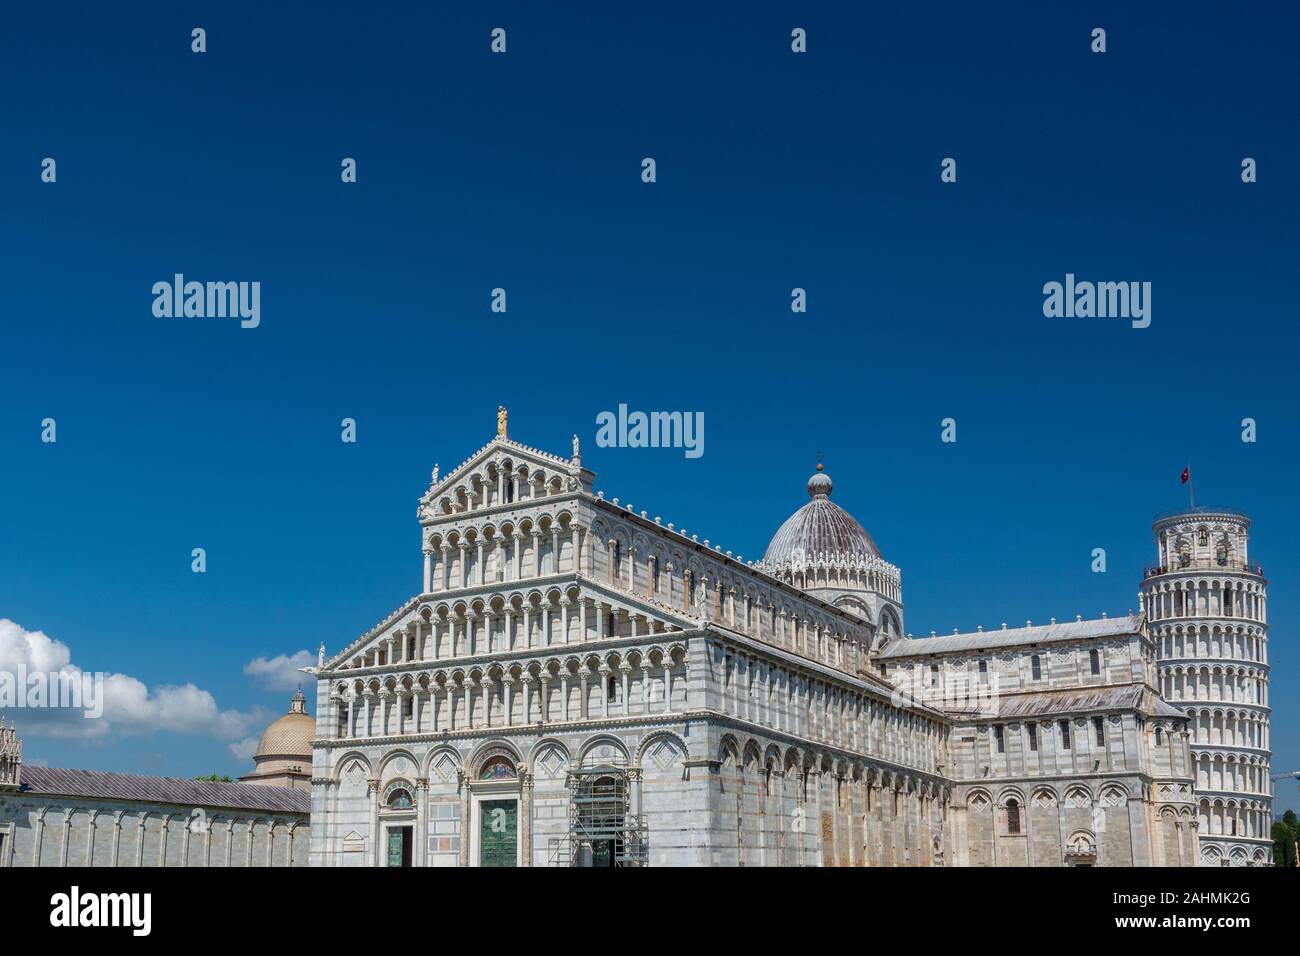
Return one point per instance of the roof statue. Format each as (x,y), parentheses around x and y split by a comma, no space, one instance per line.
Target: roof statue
(501,421)
(11,757)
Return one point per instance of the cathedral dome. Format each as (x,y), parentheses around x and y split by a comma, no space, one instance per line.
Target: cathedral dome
(820,527)
(283,757)
(291,735)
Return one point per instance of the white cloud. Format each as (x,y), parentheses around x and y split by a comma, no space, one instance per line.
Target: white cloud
(129,707)
(243,750)
(281,672)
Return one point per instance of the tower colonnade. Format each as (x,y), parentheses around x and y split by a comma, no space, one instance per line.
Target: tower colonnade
(1207,608)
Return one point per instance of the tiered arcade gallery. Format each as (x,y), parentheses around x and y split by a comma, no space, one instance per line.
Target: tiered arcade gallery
(579,683)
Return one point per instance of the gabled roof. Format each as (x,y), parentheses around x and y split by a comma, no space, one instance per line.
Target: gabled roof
(1015,636)
(1079,700)
(103,785)
(500,444)
(334,660)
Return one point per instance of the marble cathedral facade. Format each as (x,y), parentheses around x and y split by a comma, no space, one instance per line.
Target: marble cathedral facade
(579,683)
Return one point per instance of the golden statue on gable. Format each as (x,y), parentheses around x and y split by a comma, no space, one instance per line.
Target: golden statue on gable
(501,421)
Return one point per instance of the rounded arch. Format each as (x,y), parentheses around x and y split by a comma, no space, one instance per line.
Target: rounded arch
(602,748)
(855,605)
(398,795)
(347,759)
(1113,795)
(436,758)
(1045,797)
(793,759)
(654,740)
(1081,843)
(549,757)
(391,756)
(772,756)
(497,747)
(1011,793)
(1078,797)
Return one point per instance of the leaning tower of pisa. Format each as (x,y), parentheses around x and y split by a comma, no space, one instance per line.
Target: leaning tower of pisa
(1206,605)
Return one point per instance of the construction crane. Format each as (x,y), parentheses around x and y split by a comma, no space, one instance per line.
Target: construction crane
(1295,774)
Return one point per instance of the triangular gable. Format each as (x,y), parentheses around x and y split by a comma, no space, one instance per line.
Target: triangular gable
(498,449)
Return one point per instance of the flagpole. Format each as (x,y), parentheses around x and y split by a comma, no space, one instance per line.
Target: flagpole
(1191,486)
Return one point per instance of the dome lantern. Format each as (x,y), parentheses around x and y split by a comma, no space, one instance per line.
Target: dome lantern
(820,527)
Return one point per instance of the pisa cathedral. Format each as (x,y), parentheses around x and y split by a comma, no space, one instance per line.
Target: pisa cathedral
(580,683)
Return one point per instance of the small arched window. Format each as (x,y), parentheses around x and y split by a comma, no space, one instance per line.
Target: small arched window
(1094,661)
(1036,666)
(1159,736)
(1013,816)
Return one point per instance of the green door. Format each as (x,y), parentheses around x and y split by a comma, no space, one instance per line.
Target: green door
(498,833)
(395,846)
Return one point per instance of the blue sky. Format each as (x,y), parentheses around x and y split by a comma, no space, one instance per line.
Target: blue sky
(522,171)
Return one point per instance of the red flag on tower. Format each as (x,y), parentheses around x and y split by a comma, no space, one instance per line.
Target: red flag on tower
(1187,476)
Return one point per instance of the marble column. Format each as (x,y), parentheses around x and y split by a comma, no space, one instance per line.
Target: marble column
(372,801)
(527,680)
(421,821)
(526,817)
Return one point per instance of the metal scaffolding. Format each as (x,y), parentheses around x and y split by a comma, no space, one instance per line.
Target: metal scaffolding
(603,830)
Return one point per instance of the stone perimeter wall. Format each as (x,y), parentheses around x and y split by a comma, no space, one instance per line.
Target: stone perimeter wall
(41,830)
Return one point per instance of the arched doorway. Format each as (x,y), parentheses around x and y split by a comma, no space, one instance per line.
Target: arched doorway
(397,824)
(496,804)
